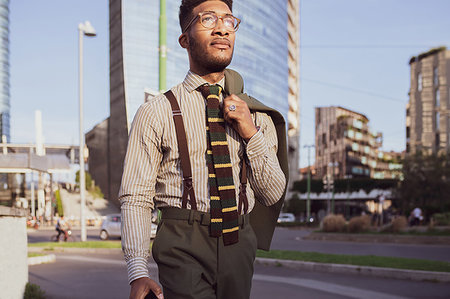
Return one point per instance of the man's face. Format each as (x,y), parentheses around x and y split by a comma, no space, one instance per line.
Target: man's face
(210,50)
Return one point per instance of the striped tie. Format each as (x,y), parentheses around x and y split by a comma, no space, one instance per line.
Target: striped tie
(223,208)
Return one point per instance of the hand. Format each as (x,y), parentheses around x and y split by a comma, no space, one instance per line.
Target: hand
(141,287)
(241,118)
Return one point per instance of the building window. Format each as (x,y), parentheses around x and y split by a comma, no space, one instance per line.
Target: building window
(437,142)
(364,160)
(359,136)
(437,95)
(419,82)
(437,119)
(355,147)
(435,77)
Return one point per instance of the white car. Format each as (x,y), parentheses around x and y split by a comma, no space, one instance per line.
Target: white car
(111,227)
(286,217)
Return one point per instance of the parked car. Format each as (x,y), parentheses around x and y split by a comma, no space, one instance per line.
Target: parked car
(110,227)
(286,217)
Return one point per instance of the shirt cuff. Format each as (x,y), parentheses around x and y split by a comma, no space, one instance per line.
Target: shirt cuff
(137,268)
(256,146)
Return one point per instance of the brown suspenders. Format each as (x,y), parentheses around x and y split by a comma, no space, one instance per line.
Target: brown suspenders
(188,188)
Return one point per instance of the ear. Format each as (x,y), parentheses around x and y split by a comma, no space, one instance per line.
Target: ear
(183,40)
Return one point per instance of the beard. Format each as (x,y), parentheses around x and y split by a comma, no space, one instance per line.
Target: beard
(208,61)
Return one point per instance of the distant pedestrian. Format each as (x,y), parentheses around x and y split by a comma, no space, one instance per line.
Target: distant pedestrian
(416,216)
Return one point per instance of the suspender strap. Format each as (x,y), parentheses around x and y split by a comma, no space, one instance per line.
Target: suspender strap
(188,188)
(243,189)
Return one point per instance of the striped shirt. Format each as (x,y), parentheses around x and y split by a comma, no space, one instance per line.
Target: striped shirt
(152,171)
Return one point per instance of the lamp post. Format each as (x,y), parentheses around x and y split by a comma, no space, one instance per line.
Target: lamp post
(83,29)
(331,185)
(308,186)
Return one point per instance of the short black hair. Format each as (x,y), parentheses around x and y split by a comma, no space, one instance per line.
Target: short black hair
(187,6)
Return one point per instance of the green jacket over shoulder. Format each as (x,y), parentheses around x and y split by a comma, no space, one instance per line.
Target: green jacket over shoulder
(263,219)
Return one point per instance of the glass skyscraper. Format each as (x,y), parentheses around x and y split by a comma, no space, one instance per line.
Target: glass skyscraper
(261,57)
(4,69)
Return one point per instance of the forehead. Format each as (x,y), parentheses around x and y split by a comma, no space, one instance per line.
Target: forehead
(219,7)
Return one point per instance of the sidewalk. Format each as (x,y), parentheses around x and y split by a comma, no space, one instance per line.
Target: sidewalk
(415,275)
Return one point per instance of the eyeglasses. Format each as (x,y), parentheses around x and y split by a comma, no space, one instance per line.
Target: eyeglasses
(209,20)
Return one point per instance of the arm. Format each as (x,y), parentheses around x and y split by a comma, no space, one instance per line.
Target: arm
(267,179)
(136,195)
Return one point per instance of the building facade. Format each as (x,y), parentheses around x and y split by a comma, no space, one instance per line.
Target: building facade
(427,112)
(346,147)
(294,89)
(261,57)
(4,70)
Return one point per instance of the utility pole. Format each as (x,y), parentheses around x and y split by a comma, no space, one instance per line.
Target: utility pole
(162,46)
(331,183)
(308,185)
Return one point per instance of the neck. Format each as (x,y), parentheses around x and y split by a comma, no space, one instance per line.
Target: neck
(208,76)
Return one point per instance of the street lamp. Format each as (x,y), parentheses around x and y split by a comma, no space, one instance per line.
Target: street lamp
(308,186)
(83,29)
(331,165)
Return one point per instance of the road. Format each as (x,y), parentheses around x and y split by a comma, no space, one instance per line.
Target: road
(104,276)
(291,239)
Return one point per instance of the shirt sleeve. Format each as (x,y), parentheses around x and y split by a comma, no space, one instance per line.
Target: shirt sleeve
(137,190)
(266,179)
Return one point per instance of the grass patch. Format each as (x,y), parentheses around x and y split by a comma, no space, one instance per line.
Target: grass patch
(33,291)
(34,254)
(443,233)
(358,260)
(89,244)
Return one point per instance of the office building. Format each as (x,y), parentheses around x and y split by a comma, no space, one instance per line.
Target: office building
(346,147)
(261,57)
(4,70)
(427,112)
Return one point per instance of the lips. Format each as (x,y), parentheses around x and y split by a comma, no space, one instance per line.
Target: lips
(221,43)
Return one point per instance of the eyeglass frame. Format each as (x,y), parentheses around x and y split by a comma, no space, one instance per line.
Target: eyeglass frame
(218,18)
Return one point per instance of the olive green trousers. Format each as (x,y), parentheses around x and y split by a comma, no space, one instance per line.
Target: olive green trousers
(194,265)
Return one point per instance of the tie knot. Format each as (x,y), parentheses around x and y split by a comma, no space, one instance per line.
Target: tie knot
(207,90)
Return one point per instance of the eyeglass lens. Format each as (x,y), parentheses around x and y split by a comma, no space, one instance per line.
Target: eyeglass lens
(209,20)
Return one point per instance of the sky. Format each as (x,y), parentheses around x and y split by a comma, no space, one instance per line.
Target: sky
(354,54)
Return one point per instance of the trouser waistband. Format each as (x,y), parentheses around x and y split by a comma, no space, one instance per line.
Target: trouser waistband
(194,215)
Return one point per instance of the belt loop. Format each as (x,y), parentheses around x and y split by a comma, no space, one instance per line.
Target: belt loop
(191,217)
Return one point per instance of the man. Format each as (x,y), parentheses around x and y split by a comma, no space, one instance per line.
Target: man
(61,228)
(204,248)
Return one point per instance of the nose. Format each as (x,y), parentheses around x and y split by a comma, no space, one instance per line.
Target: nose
(220,28)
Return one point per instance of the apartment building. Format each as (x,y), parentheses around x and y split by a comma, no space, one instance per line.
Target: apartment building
(346,147)
(427,112)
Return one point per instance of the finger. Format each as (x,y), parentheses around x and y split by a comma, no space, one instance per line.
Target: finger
(156,289)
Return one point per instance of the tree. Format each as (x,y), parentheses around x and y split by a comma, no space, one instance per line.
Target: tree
(87,177)
(426,184)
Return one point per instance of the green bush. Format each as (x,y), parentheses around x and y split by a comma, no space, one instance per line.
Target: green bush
(87,179)
(333,223)
(359,224)
(441,219)
(399,224)
(59,206)
(33,291)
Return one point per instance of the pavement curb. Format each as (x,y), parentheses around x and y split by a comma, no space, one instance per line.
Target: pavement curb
(360,270)
(44,259)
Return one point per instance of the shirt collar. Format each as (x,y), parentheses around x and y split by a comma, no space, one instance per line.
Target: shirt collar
(192,81)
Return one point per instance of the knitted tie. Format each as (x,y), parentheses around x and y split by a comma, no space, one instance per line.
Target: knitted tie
(223,209)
